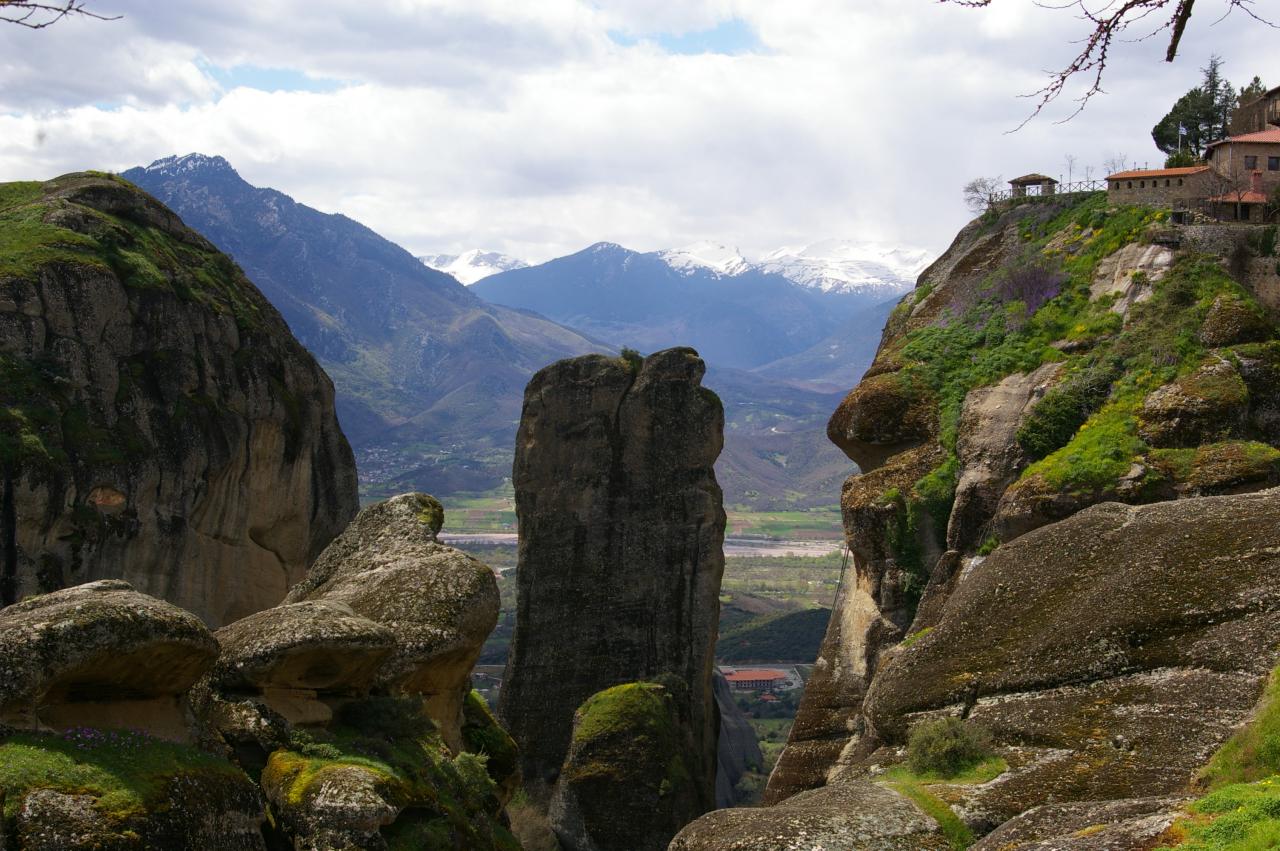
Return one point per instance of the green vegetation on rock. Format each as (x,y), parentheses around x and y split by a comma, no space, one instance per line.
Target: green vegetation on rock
(1086,435)
(453,800)
(946,747)
(633,718)
(126,772)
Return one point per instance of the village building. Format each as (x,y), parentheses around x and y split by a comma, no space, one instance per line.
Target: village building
(1239,181)
(1256,115)
(1246,172)
(756,679)
(1176,188)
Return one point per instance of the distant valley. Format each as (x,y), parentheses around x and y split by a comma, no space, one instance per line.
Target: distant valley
(429,372)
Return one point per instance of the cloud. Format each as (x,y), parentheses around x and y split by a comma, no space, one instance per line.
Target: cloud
(526,127)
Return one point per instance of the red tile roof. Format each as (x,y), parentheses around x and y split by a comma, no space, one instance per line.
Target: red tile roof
(1262,137)
(1157,172)
(750,676)
(1249,197)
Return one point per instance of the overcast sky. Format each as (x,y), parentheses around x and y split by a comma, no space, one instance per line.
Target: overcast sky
(537,127)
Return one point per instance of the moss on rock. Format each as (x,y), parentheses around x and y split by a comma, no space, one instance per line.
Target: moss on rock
(626,781)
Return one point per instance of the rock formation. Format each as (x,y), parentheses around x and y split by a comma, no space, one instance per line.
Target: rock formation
(737,751)
(158,422)
(344,714)
(100,654)
(90,677)
(627,781)
(1062,354)
(621,532)
(439,627)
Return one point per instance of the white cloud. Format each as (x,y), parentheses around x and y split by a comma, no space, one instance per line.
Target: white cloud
(523,127)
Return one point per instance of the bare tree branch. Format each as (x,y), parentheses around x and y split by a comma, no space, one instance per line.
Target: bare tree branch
(1110,20)
(37,16)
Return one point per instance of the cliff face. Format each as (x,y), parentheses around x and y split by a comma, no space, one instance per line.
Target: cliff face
(621,532)
(158,422)
(1061,354)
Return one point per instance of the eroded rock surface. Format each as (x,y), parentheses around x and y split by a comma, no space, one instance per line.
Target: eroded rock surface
(855,816)
(439,603)
(1062,354)
(621,532)
(738,750)
(165,426)
(100,654)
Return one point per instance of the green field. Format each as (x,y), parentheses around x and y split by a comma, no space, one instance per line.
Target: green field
(495,511)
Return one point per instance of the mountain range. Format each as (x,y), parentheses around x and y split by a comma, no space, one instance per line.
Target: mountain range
(429,376)
(430,373)
(642,300)
(833,265)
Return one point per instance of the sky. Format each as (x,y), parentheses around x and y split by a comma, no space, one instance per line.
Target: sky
(538,128)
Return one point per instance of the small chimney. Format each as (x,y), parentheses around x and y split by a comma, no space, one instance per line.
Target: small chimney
(1255,182)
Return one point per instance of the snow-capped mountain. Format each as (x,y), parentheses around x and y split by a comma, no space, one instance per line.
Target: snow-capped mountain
(706,255)
(832,266)
(843,266)
(471,266)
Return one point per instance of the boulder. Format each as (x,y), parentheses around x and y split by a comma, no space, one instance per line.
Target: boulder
(439,603)
(621,551)
(1134,824)
(380,775)
(1122,646)
(100,655)
(854,816)
(1209,405)
(881,417)
(173,798)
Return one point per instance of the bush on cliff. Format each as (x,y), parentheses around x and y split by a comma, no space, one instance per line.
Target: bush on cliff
(946,747)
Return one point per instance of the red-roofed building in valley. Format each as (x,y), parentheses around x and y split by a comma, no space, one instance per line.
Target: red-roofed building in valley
(756,679)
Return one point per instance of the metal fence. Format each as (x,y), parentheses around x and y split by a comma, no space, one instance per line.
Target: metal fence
(1061,189)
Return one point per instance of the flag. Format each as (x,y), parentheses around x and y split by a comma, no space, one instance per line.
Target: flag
(1182,130)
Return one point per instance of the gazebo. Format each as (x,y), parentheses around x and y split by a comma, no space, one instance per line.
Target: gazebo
(1042,184)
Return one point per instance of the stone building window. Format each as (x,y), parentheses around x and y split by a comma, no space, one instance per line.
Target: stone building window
(1130,186)
(1251,162)
(1273,163)
(1179,181)
(1142,184)
(1166,181)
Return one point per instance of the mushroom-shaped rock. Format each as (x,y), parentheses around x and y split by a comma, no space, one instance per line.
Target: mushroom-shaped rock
(440,603)
(296,651)
(100,655)
(881,417)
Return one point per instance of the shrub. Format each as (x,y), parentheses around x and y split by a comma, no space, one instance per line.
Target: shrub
(946,747)
(1058,416)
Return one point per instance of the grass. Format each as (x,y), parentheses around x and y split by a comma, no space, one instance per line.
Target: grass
(916,787)
(957,833)
(126,772)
